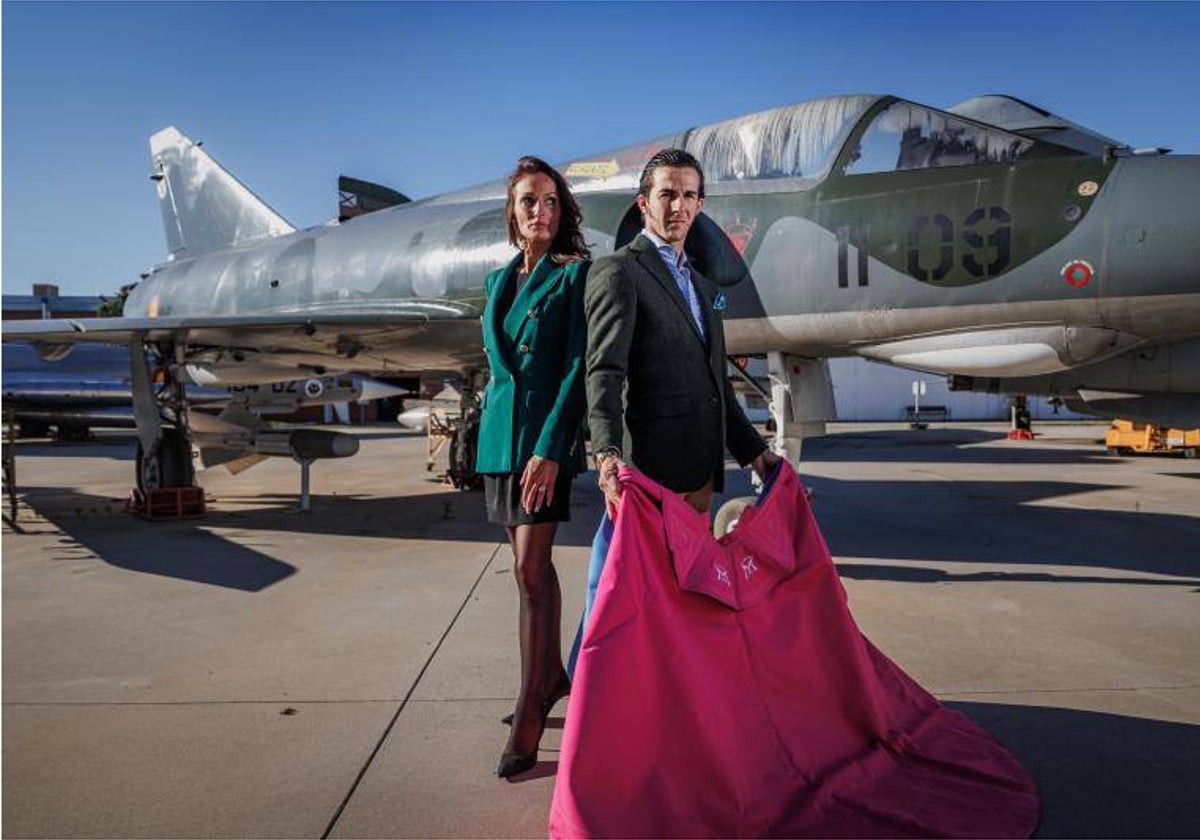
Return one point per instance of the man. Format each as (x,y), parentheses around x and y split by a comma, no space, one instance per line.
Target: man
(657,391)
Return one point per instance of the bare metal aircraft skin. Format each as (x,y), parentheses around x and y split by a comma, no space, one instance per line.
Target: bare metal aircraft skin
(994,242)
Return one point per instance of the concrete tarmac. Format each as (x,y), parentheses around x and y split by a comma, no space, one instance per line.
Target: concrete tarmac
(264,673)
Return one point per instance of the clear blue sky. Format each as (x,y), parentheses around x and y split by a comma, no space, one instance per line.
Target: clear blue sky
(429,97)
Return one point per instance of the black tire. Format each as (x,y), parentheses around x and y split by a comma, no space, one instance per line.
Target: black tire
(76,432)
(33,429)
(1191,452)
(462,456)
(171,465)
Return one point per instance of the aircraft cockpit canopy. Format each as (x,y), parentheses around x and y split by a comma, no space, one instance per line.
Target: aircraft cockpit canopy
(795,147)
(799,141)
(907,136)
(794,142)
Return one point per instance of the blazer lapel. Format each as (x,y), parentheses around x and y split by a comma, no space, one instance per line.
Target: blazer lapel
(493,324)
(652,261)
(537,286)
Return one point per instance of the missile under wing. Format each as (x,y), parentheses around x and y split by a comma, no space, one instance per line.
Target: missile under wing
(91,388)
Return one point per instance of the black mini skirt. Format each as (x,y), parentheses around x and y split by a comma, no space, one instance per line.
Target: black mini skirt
(503,494)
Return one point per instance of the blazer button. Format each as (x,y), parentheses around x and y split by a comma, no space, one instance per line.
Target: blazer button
(524,348)
(712,400)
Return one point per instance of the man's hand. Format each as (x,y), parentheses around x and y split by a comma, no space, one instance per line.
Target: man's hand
(609,483)
(763,463)
(537,483)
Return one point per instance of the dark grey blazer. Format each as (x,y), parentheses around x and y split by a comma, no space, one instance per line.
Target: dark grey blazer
(655,389)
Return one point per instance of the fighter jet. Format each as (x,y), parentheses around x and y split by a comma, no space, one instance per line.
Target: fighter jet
(993,242)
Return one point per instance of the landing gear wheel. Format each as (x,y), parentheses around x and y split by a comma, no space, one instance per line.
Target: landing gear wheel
(462,473)
(33,429)
(170,466)
(76,432)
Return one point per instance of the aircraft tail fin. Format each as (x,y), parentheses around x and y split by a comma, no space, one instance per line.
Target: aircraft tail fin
(204,207)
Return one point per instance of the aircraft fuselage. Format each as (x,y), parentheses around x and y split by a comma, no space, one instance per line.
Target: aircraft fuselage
(1068,258)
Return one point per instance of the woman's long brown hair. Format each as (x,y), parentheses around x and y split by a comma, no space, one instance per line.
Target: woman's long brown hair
(568,245)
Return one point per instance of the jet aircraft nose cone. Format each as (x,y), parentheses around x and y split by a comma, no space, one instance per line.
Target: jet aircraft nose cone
(373,389)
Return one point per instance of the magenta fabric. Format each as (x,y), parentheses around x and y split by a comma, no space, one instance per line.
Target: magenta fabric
(724,690)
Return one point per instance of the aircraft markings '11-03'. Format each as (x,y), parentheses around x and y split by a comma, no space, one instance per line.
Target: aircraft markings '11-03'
(996,243)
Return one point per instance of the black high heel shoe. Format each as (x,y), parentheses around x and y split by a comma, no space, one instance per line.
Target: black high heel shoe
(513,763)
(561,689)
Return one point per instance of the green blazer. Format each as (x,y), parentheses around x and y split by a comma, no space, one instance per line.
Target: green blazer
(534,402)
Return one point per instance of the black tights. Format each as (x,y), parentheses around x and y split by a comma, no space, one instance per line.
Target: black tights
(541,613)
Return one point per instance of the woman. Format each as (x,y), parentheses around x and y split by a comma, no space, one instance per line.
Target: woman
(530,433)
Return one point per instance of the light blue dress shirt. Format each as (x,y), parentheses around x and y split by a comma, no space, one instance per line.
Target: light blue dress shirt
(681,270)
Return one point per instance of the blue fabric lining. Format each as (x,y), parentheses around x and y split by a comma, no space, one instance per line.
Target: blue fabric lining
(600,545)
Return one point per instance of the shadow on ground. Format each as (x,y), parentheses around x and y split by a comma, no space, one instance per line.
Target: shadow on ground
(196,550)
(996,522)
(1102,775)
(922,574)
(1098,775)
(948,445)
(118,448)
(183,549)
(949,521)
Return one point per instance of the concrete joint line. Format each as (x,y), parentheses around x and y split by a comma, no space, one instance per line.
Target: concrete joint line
(392,723)
(277,702)
(1068,690)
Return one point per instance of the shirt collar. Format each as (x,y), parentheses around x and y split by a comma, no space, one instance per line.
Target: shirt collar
(679,259)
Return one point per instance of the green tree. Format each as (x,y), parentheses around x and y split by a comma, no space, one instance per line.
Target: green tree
(112,307)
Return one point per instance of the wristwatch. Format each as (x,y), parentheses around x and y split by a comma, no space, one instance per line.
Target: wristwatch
(607,452)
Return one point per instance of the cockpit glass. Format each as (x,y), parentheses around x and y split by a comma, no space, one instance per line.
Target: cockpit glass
(797,141)
(908,136)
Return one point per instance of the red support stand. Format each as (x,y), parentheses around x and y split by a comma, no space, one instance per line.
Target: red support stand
(166,503)
(1022,425)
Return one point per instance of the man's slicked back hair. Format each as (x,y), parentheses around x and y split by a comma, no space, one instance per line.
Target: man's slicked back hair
(669,157)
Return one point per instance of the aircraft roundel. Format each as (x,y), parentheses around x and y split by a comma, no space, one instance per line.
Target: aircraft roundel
(1078,273)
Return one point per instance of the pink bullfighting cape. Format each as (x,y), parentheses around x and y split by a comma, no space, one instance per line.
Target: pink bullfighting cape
(724,690)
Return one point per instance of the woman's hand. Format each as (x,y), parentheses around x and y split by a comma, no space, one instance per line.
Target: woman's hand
(537,483)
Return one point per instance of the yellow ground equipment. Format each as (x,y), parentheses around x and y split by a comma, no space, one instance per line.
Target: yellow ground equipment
(1126,437)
